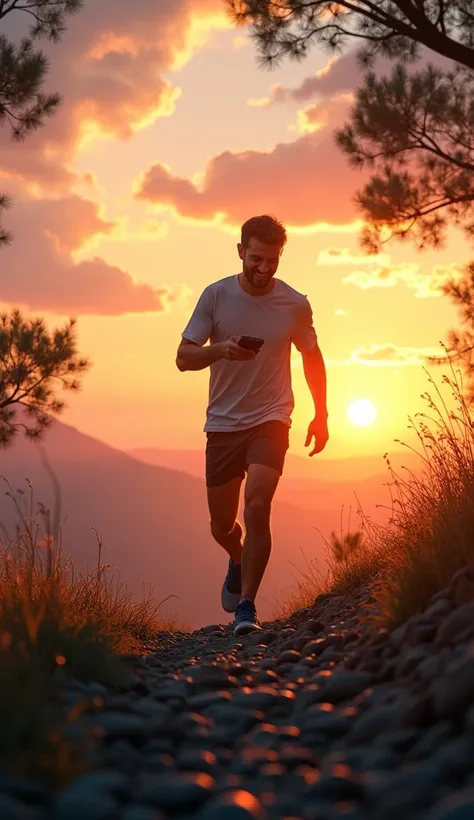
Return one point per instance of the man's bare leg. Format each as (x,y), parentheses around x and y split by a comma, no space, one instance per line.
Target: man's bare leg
(223,507)
(223,504)
(260,487)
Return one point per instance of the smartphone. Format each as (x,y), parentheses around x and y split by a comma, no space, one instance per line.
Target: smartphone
(251,342)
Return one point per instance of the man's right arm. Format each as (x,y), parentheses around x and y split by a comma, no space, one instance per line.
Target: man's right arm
(194,353)
(192,356)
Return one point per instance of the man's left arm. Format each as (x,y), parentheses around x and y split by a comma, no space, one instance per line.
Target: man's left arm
(315,374)
(306,341)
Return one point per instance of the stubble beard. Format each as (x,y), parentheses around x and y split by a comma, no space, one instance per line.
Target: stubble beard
(249,275)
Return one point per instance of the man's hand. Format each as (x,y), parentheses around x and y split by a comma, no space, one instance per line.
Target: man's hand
(233,352)
(318,429)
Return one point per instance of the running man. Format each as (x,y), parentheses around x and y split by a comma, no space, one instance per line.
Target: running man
(251,402)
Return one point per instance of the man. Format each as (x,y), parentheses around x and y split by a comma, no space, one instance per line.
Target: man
(251,401)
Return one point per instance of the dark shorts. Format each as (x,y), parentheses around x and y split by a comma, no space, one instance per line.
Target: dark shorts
(228,455)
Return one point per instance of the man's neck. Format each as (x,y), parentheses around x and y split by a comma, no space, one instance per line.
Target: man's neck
(249,288)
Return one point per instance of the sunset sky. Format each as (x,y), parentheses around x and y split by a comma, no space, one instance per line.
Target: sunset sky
(128,203)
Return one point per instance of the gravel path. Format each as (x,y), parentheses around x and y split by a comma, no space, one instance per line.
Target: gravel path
(313,718)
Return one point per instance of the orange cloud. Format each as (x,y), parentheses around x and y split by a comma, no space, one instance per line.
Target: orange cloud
(110,69)
(340,75)
(345,256)
(424,284)
(389,355)
(39,272)
(318,115)
(71,221)
(304,183)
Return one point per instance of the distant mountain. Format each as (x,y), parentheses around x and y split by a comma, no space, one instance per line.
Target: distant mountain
(153,521)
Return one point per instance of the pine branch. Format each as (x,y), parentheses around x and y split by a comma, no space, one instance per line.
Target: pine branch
(33,364)
(23,106)
(390,27)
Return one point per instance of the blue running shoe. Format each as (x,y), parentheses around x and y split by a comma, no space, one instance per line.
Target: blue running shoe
(232,587)
(245,618)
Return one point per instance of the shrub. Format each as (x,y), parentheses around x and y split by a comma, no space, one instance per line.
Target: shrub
(57,625)
(429,535)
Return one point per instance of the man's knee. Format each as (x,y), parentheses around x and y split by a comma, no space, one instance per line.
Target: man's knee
(257,511)
(221,529)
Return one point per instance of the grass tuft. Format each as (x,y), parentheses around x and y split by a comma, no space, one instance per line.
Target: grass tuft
(57,625)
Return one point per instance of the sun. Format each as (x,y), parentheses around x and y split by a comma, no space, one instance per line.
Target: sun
(362,412)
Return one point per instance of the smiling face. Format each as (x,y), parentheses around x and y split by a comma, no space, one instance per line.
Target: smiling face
(259,263)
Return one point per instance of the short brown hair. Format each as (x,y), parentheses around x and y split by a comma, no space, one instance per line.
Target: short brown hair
(266,229)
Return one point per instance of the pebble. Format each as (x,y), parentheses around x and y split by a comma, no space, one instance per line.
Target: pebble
(199,760)
(432,738)
(269,637)
(235,805)
(345,685)
(459,806)
(211,676)
(123,757)
(454,692)
(375,722)
(451,628)
(78,804)
(25,790)
(117,725)
(177,793)
(206,699)
(290,656)
(11,809)
(343,784)
(140,813)
(213,629)
(108,782)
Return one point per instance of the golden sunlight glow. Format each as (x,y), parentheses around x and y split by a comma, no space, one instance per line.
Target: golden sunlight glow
(259,102)
(361,412)
(199,29)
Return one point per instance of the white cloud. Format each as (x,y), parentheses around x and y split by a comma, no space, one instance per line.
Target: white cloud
(425,284)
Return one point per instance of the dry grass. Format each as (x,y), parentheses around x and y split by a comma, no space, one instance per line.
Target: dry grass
(307,584)
(339,578)
(56,624)
(429,535)
(344,569)
(362,567)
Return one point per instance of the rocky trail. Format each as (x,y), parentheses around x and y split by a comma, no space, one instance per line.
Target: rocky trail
(314,718)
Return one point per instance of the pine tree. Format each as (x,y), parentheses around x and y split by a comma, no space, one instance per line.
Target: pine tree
(414,131)
(24,107)
(33,363)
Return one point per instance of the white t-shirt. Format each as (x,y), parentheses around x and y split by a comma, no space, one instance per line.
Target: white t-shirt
(244,394)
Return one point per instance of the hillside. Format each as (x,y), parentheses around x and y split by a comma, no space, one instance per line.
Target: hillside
(153,521)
